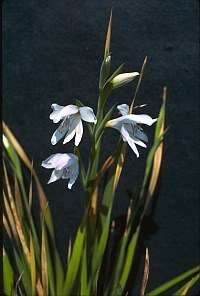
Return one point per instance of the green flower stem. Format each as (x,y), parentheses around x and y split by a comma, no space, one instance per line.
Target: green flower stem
(96,149)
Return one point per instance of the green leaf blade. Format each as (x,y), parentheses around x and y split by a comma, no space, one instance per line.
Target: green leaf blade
(173,282)
(74,262)
(8,275)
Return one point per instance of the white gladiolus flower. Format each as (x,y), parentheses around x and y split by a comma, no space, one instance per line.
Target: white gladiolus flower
(128,126)
(123,79)
(71,125)
(65,166)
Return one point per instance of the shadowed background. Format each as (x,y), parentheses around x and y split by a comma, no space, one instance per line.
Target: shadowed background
(53,52)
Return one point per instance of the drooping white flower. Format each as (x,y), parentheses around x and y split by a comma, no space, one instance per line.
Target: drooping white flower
(128,126)
(65,166)
(71,125)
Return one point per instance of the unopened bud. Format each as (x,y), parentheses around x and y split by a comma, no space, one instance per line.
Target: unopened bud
(123,79)
(5,142)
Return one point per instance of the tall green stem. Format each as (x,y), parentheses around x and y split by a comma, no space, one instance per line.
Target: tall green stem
(95,150)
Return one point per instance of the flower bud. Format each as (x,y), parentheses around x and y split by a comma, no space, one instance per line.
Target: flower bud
(123,79)
(5,142)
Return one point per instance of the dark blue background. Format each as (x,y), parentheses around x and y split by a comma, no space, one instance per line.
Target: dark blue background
(53,53)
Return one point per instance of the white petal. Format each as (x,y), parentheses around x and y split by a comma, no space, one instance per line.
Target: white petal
(139,134)
(73,158)
(79,133)
(60,113)
(51,161)
(87,114)
(69,110)
(130,141)
(73,122)
(140,118)
(72,170)
(58,160)
(65,174)
(65,160)
(139,142)
(56,111)
(56,175)
(115,123)
(133,147)
(123,109)
(69,137)
(60,131)
(134,131)
(56,107)
(73,174)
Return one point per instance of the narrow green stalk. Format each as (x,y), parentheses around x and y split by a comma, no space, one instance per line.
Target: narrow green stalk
(95,151)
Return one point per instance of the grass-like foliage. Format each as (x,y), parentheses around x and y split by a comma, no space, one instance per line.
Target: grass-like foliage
(97,263)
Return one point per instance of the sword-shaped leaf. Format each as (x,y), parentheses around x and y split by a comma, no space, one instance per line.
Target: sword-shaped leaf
(155,161)
(173,282)
(44,268)
(21,153)
(32,266)
(84,272)
(75,259)
(8,275)
(128,262)
(183,291)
